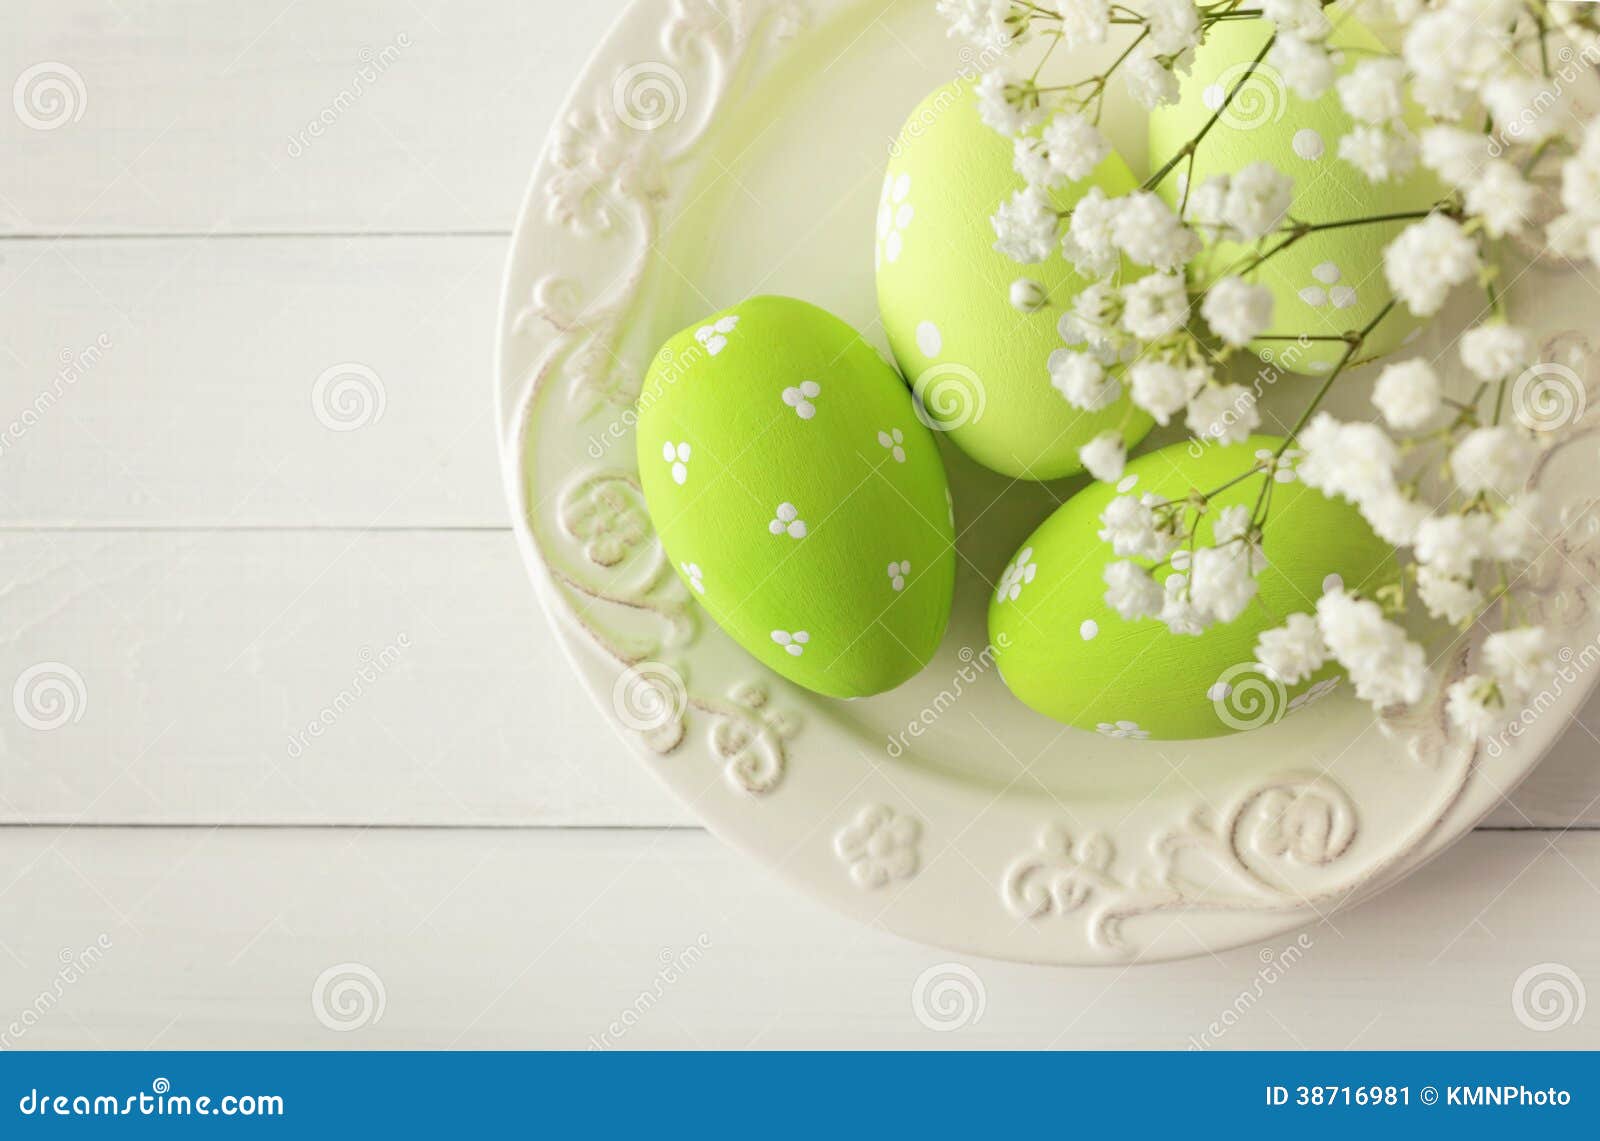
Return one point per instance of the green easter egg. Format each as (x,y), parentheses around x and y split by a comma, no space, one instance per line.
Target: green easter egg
(1067,654)
(797,494)
(978,364)
(1329,282)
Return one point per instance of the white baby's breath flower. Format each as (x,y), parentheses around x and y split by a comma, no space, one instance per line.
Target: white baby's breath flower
(1441,96)
(1450,544)
(1474,704)
(1447,41)
(1178,611)
(1032,163)
(1294,651)
(1518,659)
(1569,235)
(1082,381)
(1075,146)
(1237,310)
(999,105)
(984,22)
(1131,591)
(1380,153)
(1088,242)
(1502,198)
(1096,312)
(1495,458)
(1221,583)
(1353,461)
(1025,226)
(1394,517)
(1496,351)
(1453,154)
(1083,22)
(1155,305)
(1373,91)
(1427,260)
(1407,393)
(1104,457)
(1133,529)
(1162,388)
(1174,25)
(1386,667)
(1297,17)
(1146,229)
(1207,204)
(1455,600)
(1524,109)
(1027,295)
(1225,413)
(1580,181)
(1233,522)
(1519,533)
(1258,197)
(1304,65)
(1151,83)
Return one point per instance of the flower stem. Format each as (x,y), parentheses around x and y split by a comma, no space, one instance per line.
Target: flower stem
(1189,147)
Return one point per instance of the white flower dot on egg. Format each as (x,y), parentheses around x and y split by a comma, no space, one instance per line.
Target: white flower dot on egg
(1342,296)
(1313,295)
(891,246)
(902,187)
(1127,483)
(1327,273)
(1321,366)
(1219,691)
(1212,96)
(929,340)
(1089,629)
(1331,583)
(1307,144)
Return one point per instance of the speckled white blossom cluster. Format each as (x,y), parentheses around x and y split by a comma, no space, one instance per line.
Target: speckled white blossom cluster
(1507,139)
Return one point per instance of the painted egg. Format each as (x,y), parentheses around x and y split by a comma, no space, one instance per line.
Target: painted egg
(798,496)
(1327,283)
(979,364)
(1067,654)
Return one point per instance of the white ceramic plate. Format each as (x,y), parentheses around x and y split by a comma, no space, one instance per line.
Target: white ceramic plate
(713,152)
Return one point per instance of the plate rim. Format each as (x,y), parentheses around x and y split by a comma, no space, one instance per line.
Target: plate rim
(514,420)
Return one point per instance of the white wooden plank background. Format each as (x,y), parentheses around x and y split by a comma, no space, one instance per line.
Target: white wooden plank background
(183,529)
